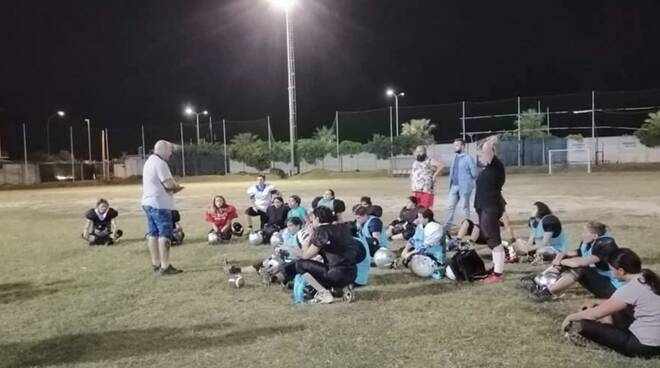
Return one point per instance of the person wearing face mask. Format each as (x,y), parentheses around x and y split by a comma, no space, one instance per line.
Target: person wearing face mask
(490,205)
(462,174)
(422,176)
(100,225)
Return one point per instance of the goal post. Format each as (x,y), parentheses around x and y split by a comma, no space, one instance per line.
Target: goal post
(586,160)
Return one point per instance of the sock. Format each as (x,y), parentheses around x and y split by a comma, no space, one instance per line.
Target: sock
(498,260)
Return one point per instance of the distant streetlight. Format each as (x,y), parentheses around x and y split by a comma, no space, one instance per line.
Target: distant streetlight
(190,111)
(58,113)
(287,6)
(390,92)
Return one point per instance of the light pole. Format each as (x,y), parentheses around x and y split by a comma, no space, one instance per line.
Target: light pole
(390,93)
(190,111)
(59,113)
(287,5)
(89,139)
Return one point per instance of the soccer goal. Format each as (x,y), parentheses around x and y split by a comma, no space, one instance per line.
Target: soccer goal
(569,157)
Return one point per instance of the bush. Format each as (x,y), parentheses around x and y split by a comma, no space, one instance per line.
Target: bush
(649,132)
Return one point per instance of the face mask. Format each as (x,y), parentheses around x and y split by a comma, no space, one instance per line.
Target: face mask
(421,157)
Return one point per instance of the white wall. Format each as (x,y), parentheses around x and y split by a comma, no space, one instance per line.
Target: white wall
(15,174)
(621,149)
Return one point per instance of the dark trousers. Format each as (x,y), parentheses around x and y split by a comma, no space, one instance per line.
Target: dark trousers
(329,277)
(616,338)
(489,223)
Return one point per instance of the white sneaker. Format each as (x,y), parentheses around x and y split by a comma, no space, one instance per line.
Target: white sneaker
(322,297)
(348,294)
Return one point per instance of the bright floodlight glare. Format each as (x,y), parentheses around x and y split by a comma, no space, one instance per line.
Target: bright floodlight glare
(402,94)
(285,5)
(189,110)
(205,112)
(390,92)
(61,113)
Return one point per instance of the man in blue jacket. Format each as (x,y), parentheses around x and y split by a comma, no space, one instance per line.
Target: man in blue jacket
(462,174)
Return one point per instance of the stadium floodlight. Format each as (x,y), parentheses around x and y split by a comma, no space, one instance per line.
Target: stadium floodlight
(59,113)
(390,92)
(190,112)
(287,6)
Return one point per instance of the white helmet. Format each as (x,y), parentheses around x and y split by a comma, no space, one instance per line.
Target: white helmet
(383,258)
(546,279)
(276,239)
(450,273)
(255,238)
(273,265)
(213,238)
(422,266)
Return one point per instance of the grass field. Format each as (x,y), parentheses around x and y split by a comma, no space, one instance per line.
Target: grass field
(65,304)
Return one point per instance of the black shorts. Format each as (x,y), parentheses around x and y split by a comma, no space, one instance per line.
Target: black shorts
(599,285)
(489,224)
(471,226)
(263,217)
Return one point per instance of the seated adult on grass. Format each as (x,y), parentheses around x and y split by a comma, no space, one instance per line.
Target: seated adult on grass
(220,216)
(470,233)
(276,216)
(636,337)
(403,228)
(261,196)
(101,224)
(428,240)
(586,265)
(295,209)
(370,227)
(364,202)
(546,236)
(340,254)
(177,229)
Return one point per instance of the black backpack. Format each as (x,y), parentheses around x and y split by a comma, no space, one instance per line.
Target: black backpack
(467,265)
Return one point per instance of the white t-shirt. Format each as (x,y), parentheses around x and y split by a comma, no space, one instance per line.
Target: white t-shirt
(261,196)
(154,174)
(433,232)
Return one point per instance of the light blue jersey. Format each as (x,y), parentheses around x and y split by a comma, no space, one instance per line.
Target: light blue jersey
(435,250)
(558,243)
(363,267)
(365,233)
(298,212)
(586,251)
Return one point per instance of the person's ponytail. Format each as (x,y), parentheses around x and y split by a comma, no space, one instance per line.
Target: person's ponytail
(652,280)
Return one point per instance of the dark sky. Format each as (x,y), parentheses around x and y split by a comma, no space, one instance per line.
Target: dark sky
(123,63)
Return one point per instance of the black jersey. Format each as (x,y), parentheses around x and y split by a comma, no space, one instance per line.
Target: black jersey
(337,246)
(104,222)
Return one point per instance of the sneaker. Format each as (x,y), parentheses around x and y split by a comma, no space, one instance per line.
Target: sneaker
(492,279)
(169,271)
(541,295)
(527,283)
(322,297)
(573,335)
(155,268)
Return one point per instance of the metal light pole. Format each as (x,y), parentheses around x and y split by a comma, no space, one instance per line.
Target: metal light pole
(396,95)
(190,111)
(210,128)
(59,113)
(73,157)
(89,139)
(286,6)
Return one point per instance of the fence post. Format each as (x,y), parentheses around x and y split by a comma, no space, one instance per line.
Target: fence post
(391,143)
(463,119)
(594,140)
(519,148)
(73,157)
(25,160)
(183,151)
(270,144)
(224,143)
(341,159)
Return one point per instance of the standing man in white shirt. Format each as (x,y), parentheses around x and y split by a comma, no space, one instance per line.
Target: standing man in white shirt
(261,197)
(158,188)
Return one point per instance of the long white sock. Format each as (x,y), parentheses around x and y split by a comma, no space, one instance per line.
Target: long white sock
(312,281)
(498,259)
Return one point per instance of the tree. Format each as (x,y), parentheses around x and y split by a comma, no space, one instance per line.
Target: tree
(379,145)
(531,127)
(311,150)
(251,150)
(349,148)
(419,128)
(324,134)
(649,132)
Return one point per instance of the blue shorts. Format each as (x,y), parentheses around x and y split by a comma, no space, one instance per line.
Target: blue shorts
(159,222)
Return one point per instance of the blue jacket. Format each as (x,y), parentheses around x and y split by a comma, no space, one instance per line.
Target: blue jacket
(467,172)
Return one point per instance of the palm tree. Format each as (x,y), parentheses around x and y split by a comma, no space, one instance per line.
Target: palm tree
(419,128)
(242,139)
(649,133)
(324,134)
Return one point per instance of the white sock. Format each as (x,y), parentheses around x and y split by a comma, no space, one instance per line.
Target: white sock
(498,259)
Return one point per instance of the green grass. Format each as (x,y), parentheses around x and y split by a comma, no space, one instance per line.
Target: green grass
(65,304)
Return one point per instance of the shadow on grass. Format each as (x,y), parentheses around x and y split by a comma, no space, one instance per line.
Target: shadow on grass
(412,291)
(20,291)
(393,278)
(113,345)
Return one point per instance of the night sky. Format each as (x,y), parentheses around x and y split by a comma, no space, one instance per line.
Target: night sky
(125,63)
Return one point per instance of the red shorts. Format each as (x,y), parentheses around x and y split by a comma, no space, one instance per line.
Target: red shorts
(424,199)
